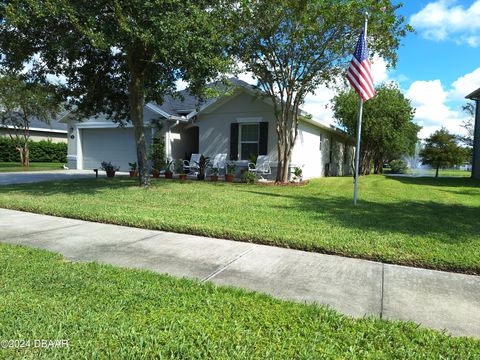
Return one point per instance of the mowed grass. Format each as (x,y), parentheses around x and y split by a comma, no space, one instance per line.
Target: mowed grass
(111,313)
(426,222)
(441,172)
(34,166)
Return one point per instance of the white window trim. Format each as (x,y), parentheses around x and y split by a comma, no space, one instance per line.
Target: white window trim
(251,120)
(240,142)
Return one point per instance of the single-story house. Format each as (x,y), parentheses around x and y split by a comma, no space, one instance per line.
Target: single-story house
(54,131)
(238,123)
(475,96)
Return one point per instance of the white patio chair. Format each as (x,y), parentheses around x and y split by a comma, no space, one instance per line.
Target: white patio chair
(219,162)
(191,167)
(262,167)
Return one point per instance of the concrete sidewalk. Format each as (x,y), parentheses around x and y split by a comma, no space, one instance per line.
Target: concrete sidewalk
(355,287)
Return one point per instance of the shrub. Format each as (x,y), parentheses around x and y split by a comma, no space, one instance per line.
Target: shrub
(249,177)
(109,167)
(40,151)
(398,167)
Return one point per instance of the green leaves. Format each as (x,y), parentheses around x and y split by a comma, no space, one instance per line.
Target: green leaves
(388,131)
(442,149)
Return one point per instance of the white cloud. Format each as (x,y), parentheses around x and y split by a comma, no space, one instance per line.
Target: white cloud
(444,19)
(380,71)
(319,103)
(432,110)
(181,84)
(464,85)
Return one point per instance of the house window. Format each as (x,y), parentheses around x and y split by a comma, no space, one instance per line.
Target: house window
(249,141)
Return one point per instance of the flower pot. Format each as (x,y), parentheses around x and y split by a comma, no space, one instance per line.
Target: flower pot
(133,173)
(155,173)
(110,174)
(229,177)
(213,177)
(168,175)
(182,176)
(200,176)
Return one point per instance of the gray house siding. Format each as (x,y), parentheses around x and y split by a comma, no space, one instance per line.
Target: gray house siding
(242,108)
(319,150)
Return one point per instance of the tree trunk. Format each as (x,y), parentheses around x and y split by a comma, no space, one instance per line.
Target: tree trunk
(436,172)
(26,156)
(278,178)
(286,163)
(137,102)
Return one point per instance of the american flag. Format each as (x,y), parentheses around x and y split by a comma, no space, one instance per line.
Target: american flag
(359,72)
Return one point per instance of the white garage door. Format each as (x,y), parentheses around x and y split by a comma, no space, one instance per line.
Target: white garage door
(116,145)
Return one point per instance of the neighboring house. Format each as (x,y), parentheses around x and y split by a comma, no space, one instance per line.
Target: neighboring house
(55,131)
(476,133)
(238,123)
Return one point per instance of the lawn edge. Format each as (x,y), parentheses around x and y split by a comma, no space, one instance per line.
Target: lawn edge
(233,237)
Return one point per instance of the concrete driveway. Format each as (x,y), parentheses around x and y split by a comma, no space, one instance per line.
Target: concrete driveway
(355,287)
(24,177)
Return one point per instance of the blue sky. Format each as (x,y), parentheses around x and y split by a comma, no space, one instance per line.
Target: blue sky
(438,65)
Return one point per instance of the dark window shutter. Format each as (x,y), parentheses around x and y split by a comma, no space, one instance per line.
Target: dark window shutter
(234,141)
(263,141)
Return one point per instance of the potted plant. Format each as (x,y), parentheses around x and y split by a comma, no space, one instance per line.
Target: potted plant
(230,174)
(249,177)
(109,168)
(214,175)
(168,170)
(297,174)
(133,169)
(155,173)
(202,165)
(179,170)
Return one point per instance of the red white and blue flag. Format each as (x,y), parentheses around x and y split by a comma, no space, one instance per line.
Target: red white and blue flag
(359,73)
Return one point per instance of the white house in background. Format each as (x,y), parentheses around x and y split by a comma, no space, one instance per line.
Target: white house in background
(55,131)
(238,123)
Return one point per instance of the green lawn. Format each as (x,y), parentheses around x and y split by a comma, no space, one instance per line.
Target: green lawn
(34,166)
(441,172)
(111,313)
(415,221)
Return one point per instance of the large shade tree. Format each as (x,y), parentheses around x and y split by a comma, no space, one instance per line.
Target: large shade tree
(388,130)
(293,46)
(117,55)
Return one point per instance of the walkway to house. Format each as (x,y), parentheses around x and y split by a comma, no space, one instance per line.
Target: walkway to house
(355,287)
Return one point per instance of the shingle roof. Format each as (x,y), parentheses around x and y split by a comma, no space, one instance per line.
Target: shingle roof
(186,103)
(474,95)
(53,125)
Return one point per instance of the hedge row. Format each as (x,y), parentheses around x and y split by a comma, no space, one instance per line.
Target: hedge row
(40,151)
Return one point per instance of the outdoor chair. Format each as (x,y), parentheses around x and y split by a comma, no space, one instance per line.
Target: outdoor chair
(191,167)
(262,167)
(219,162)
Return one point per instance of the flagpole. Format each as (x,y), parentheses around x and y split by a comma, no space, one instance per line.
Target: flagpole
(359,131)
